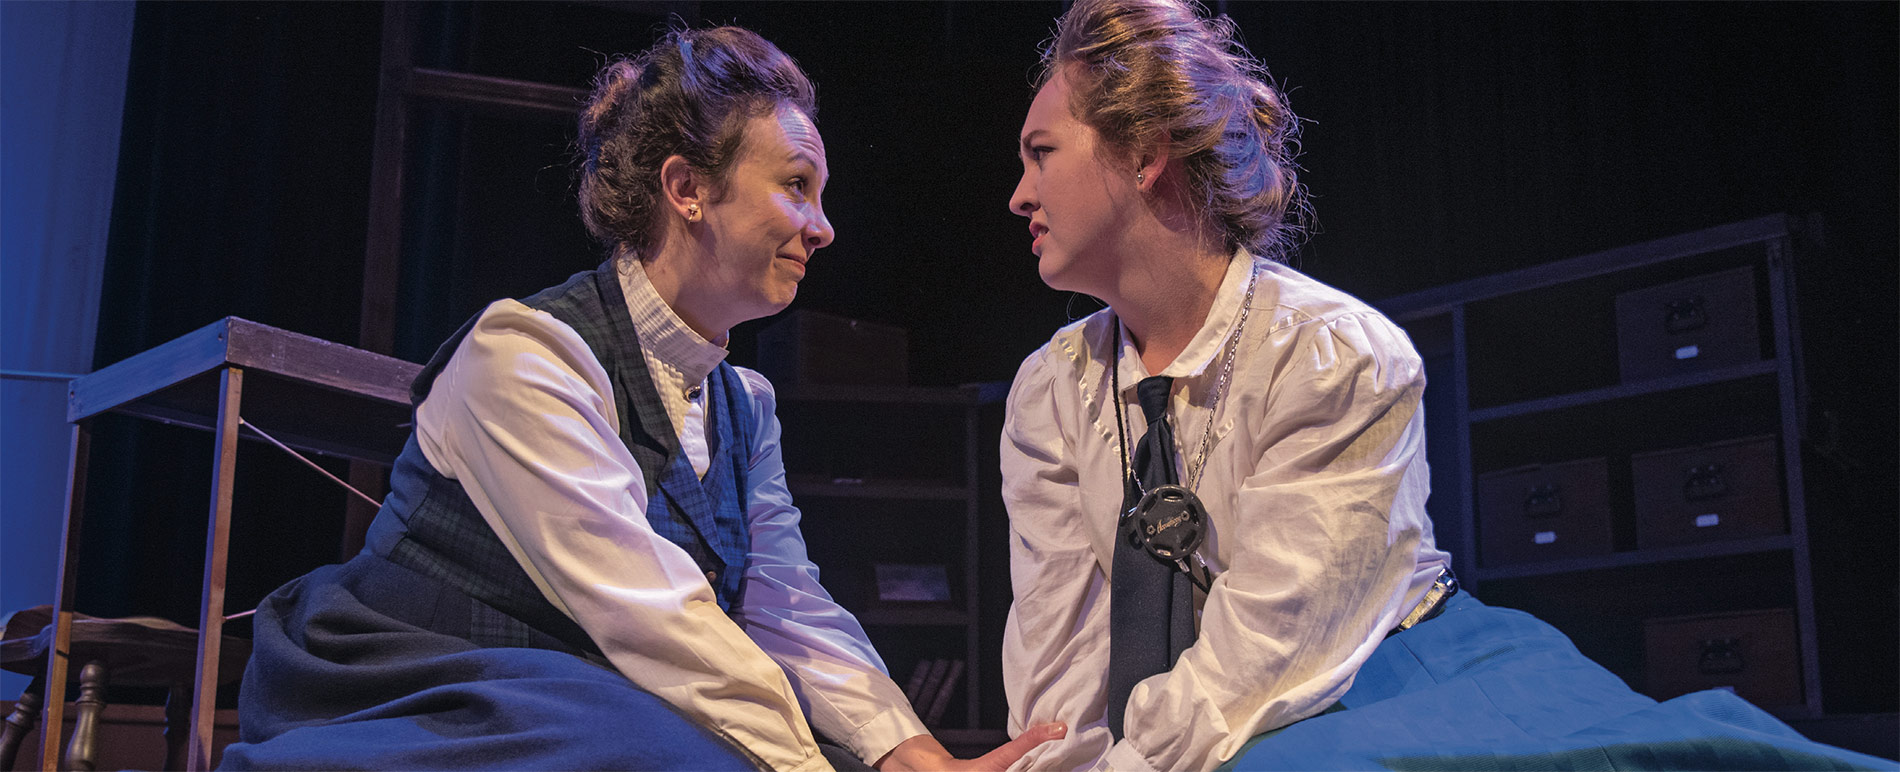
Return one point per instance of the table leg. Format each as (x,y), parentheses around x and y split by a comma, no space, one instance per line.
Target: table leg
(217,553)
(55,695)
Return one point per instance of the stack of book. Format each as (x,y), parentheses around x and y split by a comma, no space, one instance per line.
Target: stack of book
(931,685)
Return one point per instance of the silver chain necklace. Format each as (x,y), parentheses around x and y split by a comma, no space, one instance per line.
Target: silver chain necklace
(1169,522)
(1213,400)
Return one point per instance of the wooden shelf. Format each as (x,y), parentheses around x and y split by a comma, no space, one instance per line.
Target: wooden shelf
(1639,558)
(910,395)
(1623,391)
(1418,305)
(978,393)
(894,476)
(803,486)
(931,616)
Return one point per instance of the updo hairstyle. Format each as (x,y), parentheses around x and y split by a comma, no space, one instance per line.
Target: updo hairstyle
(1141,70)
(690,95)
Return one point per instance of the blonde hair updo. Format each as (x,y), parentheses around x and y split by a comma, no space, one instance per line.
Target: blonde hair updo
(1142,70)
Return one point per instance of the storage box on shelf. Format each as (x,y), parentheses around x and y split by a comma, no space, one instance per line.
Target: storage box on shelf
(1753,654)
(1538,513)
(1691,325)
(1707,493)
(1673,365)
(813,347)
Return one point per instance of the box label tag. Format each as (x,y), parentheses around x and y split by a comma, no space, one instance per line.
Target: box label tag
(1688,352)
(1706,521)
(1544,537)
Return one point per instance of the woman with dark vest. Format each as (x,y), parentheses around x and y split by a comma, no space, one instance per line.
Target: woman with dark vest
(1216,485)
(588,558)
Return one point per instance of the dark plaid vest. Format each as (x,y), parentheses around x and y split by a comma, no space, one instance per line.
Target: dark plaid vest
(428,523)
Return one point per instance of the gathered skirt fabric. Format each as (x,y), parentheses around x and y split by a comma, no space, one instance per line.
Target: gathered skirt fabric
(1486,688)
(369,665)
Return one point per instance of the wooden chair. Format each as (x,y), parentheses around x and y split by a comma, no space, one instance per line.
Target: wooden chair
(133,651)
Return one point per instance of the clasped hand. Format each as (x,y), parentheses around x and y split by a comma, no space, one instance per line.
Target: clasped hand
(924,753)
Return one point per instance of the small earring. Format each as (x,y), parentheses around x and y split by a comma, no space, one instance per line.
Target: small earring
(1140,177)
(692,213)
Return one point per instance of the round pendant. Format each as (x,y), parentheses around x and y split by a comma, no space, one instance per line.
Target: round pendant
(1171,522)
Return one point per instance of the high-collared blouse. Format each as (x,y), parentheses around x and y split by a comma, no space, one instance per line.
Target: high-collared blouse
(524,417)
(1315,484)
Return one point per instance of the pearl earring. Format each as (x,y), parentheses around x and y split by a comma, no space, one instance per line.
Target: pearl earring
(1140,177)
(692,213)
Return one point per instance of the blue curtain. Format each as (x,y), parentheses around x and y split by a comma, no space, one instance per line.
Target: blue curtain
(62,80)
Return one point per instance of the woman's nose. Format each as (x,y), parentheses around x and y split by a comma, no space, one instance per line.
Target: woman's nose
(1020,201)
(818,232)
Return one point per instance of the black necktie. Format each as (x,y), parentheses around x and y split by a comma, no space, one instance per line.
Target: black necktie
(1151,604)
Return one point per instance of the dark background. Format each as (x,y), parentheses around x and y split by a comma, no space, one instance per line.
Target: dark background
(1444,141)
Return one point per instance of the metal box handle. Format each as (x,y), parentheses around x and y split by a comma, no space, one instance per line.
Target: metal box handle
(1684,314)
(1545,500)
(1720,656)
(1704,482)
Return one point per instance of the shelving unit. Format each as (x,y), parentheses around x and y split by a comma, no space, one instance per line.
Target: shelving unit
(890,474)
(1523,369)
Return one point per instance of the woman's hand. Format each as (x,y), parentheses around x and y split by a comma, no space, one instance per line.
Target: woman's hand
(924,754)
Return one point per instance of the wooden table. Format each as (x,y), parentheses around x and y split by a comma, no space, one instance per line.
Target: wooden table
(310,394)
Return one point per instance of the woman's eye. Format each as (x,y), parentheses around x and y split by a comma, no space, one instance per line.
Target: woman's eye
(798,184)
(1036,153)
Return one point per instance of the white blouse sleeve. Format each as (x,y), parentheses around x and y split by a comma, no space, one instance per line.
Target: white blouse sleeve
(1056,639)
(1318,567)
(523,416)
(837,675)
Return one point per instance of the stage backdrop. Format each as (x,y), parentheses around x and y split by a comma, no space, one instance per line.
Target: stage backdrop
(64,83)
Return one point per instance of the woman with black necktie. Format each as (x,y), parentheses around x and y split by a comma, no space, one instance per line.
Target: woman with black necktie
(1216,485)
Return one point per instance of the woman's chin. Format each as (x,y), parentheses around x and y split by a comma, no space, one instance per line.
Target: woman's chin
(780,300)
(1053,270)
(1061,274)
